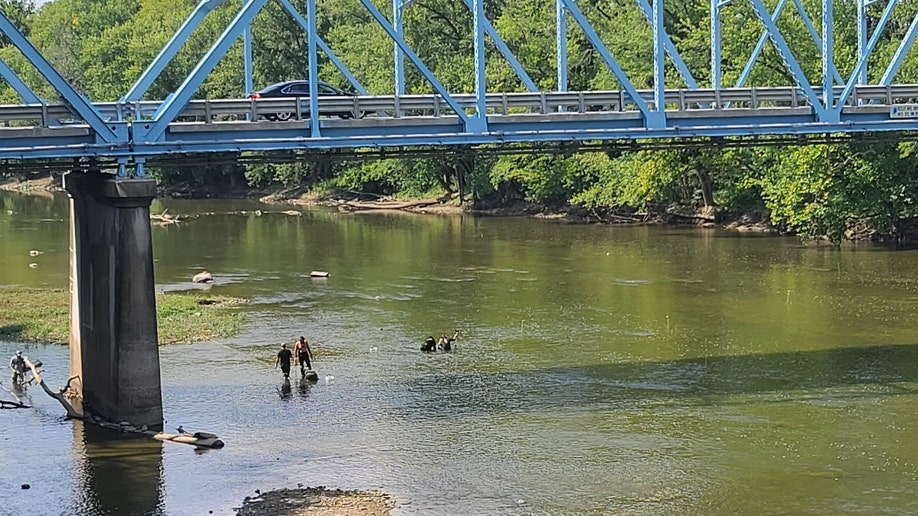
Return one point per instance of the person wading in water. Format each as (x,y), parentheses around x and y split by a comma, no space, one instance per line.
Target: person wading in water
(303,354)
(283,358)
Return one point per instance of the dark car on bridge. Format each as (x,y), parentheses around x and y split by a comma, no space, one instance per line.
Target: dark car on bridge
(300,89)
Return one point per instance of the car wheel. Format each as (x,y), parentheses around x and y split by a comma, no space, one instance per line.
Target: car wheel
(283,117)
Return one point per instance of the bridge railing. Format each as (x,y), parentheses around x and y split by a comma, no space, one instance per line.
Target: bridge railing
(598,103)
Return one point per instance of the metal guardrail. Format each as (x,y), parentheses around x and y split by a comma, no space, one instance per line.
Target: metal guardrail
(498,104)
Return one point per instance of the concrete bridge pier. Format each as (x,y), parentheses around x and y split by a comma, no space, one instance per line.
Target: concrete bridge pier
(113,340)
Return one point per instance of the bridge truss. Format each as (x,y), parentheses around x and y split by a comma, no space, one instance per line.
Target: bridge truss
(134,130)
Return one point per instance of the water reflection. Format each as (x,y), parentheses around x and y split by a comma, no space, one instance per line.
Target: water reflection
(285,389)
(119,474)
(304,386)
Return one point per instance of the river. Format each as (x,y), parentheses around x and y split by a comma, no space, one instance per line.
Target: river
(600,370)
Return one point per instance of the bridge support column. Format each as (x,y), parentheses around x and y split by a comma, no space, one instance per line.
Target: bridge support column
(113,340)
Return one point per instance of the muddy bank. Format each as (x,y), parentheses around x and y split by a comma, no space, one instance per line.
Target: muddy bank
(317,501)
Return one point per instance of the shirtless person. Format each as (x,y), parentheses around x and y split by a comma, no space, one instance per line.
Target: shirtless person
(303,354)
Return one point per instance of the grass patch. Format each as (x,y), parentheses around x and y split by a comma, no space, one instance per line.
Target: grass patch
(43,315)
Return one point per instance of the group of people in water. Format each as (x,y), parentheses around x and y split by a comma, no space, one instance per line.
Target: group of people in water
(444,344)
(301,351)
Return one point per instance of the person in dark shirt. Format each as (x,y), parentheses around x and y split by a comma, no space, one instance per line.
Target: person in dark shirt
(284,357)
(430,344)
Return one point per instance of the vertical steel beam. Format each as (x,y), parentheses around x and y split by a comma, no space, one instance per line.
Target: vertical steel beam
(399,56)
(481,83)
(828,49)
(816,38)
(381,20)
(788,57)
(172,47)
(325,48)
(659,69)
(861,37)
(505,51)
(862,61)
(561,43)
(247,59)
(671,49)
(313,59)
(172,106)
(715,45)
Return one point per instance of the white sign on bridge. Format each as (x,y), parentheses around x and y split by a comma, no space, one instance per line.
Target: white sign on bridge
(903,111)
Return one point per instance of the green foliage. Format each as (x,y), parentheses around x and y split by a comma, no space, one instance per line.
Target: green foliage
(819,190)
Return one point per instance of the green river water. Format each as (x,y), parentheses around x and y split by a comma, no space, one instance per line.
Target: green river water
(601,369)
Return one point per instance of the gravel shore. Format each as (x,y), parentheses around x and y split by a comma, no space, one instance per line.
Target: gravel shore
(317,501)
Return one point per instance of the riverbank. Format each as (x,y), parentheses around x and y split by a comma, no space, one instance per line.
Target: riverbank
(903,232)
(445,205)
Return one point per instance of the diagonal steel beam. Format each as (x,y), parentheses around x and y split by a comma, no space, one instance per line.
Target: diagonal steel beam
(607,57)
(27,95)
(504,50)
(861,65)
(176,102)
(325,48)
(168,52)
(815,35)
(671,49)
(760,45)
(784,51)
(381,20)
(899,56)
(77,102)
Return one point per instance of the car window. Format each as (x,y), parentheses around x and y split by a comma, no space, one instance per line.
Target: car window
(297,89)
(325,89)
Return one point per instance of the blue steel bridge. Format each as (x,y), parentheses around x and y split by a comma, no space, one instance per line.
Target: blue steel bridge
(113,334)
(135,130)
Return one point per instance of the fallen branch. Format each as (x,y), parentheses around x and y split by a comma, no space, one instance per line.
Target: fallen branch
(389,205)
(4,404)
(162,218)
(200,439)
(72,413)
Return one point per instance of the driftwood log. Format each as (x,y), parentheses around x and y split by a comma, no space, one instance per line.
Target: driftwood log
(163,218)
(6,404)
(72,412)
(199,439)
(388,205)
